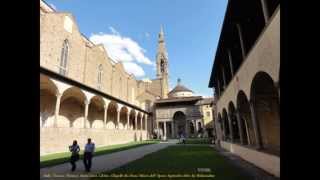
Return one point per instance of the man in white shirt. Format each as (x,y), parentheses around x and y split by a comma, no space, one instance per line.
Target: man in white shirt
(88,152)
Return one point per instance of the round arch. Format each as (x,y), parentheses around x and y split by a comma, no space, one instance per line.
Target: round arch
(72,107)
(132,123)
(192,128)
(123,117)
(180,125)
(265,100)
(112,115)
(243,107)
(234,122)
(225,122)
(48,98)
(221,125)
(96,112)
(139,125)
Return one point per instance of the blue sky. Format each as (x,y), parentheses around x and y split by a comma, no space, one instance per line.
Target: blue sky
(129,28)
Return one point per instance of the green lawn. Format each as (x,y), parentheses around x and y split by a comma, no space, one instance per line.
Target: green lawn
(197,141)
(58,158)
(181,160)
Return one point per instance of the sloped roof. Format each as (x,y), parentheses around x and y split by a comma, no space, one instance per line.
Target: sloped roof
(205,101)
(178,99)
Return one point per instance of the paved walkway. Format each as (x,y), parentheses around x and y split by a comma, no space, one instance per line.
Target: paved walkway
(103,162)
(246,167)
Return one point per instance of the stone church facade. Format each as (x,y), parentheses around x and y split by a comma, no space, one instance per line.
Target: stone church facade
(84,93)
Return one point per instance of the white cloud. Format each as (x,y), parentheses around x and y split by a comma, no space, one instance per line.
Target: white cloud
(53,6)
(133,68)
(121,48)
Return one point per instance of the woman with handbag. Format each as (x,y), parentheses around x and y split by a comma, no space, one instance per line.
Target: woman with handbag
(74,149)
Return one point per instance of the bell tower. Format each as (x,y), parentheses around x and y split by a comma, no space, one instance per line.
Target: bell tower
(162,65)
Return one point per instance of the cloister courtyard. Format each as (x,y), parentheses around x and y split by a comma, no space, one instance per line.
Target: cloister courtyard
(106,87)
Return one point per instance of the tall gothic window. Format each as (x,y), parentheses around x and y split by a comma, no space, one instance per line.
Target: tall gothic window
(64,58)
(99,76)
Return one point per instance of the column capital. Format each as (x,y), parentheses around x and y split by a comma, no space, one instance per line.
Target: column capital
(86,102)
(58,94)
(120,106)
(106,101)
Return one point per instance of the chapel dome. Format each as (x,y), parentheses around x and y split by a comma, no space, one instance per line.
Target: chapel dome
(180,91)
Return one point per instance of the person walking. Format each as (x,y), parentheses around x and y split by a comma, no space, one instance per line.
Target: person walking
(88,153)
(74,149)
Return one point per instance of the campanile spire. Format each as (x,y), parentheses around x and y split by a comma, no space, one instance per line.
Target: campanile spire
(162,63)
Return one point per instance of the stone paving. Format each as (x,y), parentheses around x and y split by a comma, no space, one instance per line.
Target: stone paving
(102,163)
(246,167)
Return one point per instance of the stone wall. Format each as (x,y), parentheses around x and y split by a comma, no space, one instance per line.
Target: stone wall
(207,118)
(167,112)
(84,59)
(51,143)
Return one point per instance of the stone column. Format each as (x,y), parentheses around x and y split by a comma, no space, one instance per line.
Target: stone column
(230,61)
(157,126)
(146,122)
(240,127)
(230,128)
(105,116)
(265,10)
(165,130)
(255,126)
(86,103)
(56,112)
(243,50)
(136,121)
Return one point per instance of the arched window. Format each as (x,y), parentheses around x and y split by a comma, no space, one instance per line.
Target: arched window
(64,58)
(100,76)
